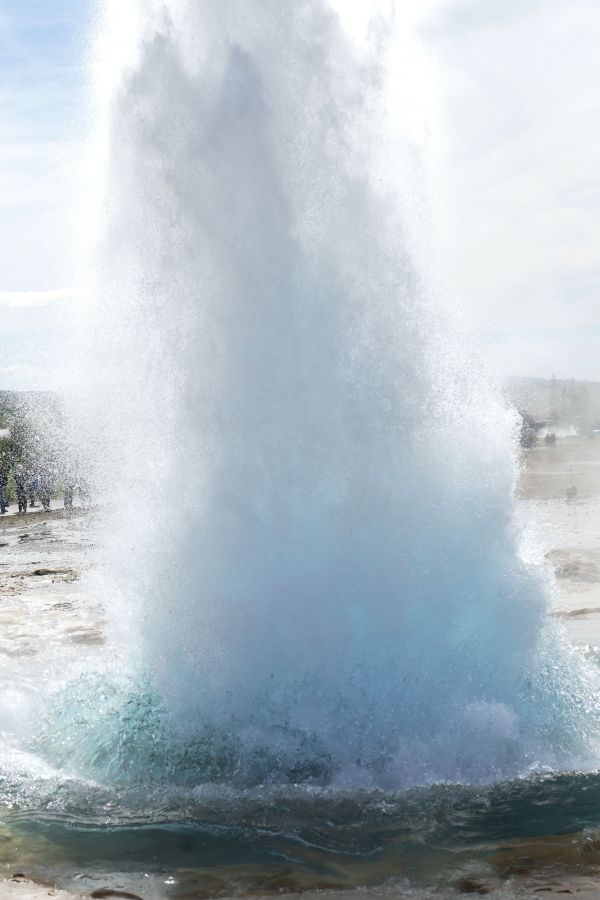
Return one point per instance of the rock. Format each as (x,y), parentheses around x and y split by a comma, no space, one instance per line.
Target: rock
(108,892)
(470,886)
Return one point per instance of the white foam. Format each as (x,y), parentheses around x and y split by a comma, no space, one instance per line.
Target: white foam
(328,566)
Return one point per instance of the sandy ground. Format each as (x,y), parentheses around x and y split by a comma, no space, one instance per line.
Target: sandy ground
(560,490)
(18,888)
(43,608)
(42,556)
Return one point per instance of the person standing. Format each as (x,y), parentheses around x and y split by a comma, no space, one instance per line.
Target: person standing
(85,492)
(45,487)
(3,489)
(69,489)
(21,486)
(32,486)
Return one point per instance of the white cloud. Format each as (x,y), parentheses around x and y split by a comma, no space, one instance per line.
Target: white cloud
(517,177)
(21,299)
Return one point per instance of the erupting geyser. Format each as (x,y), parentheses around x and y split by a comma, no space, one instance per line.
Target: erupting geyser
(316,549)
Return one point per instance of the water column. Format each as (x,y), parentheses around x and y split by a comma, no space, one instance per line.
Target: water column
(316,554)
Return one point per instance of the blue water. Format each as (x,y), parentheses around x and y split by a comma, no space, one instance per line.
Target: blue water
(293,839)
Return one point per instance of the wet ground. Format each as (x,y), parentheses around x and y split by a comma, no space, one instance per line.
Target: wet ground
(561,492)
(43,611)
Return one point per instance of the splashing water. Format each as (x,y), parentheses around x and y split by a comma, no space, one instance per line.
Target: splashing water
(313,549)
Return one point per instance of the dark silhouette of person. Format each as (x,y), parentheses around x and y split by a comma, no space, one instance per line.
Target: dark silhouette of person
(3,489)
(20,478)
(45,488)
(69,489)
(32,486)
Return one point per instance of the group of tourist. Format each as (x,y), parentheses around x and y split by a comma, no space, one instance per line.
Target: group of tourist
(36,485)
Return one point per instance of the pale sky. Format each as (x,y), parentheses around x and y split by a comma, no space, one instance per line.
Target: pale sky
(515,186)
(520,177)
(42,47)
